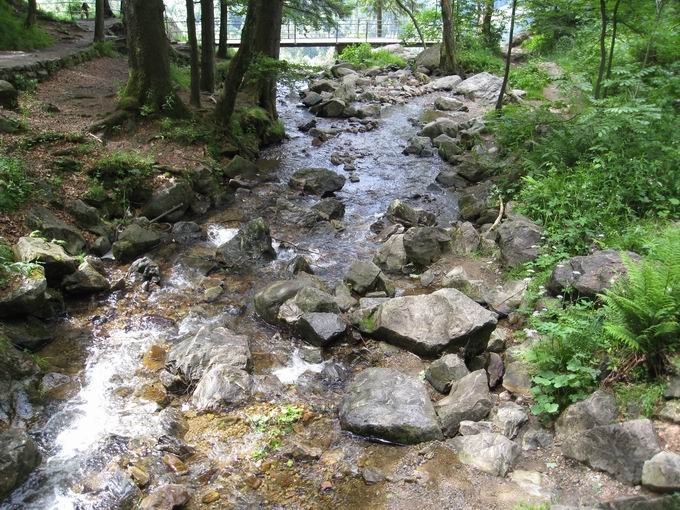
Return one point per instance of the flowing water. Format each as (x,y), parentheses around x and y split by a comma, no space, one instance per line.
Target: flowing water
(106,415)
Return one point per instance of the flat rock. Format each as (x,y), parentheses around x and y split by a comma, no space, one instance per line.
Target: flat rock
(318,181)
(483,87)
(52,227)
(268,301)
(134,241)
(320,328)
(51,256)
(489,452)
(597,410)
(221,386)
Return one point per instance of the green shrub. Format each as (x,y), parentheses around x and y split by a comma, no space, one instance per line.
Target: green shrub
(125,173)
(530,77)
(15,36)
(476,58)
(362,55)
(15,186)
(635,399)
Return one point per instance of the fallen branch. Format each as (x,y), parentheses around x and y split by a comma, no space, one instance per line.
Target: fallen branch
(169,211)
(501,211)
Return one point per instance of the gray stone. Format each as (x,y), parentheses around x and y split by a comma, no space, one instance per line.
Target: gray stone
(445,83)
(134,241)
(448,149)
(368,111)
(429,57)
(400,212)
(447,369)
(311,98)
(318,181)
(517,379)
(519,241)
(8,95)
(240,167)
(464,238)
(320,86)
(299,264)
(391,256)
(364,276)
(508,419)
(535,438)
(419,145)
(192,357)
(469,400)
(482,87)
(333,108)
(476,204)
(440,127)
(308,299)
(597,410)
(669,502)
(506,298)
(51,227)
(166,497)
(425,245)
(495,368)
(320,328)
(268,301)
(343,297)
(497,340)
(492,453)
(85,215)
(18,457)
(673,388)
(450,104)
(457,278)
(24,294)
(471,428)
(252,243)
(187,232)
(86,280)
(589,275)
(51,256)
(620,449)
(662,472)
(432,323)
(671,411)
(385,404)
(221,386)
(330,208)
(27,333)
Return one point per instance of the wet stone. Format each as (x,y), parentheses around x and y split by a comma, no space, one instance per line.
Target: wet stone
(320,328)
(447,369)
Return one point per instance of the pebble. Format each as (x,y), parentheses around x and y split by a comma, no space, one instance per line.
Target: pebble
(175,463)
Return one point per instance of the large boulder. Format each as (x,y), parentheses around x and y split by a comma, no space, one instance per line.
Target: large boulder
(192,357)
(590,275)
(85,215)
(450,104)
(51,256)
(620,449)
(519,241)
(220,386)
(86,280)
(51,227)
(662,472)
(268,301)
(489,452)
(458,278)
(320,86)
(391,256)
(318,181)
(482,87)
(364,276)
(445,83)
(172,200)
(476,204)
(508,419)
(252,243)
(425,245)
(8,95)
(445,371)
(432,323)
(429,57)
(27,333)
(448,149)
(385,404)
(400,212)
(597,410)
(18,457)
(24,294)
(320,328)
(439,127)
(468,400)
(134,241)
(419,145)
(329,209)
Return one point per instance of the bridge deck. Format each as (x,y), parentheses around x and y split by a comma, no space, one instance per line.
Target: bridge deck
(341,41)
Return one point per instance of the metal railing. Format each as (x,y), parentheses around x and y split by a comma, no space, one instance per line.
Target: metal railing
(72,9)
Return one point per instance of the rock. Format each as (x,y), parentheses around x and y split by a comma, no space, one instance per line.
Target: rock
(186,232)
(28,333)
(85,215)
(450,104)
(482,87)
(251,244)
(495,368)
(599,409)
(292,214)
(343,297)
(24,294)
(19,456)
(242,168)
(372,475)
(399,212)
(498,340)
(320,328)
(330,208)
(218,346)
(517,379)
(134,241)
(508,419)
(368,111)
(334,107)
(86,280)
(471,428)
(9,96)
(311,98)
(662,472)
(427,278)
(308,299)
(477,204)
(464,238)
(320,86)
(166,497)
(51,256)
(448,149)
(115,489)
(429,57)
(671,411)
(447,369)
(492,453)
(469,400)
(445,83)
(363,277)
(534,484)
(620,449)
(51,227)
(519,240)
(457,278)
(221,386)
(507,298)
(589,275)
(432,323)
(391,256)
(299,264)
(425,245)
(385,404)
(318,181)
(474,169)
(144,270)
(669,502)
(269,300)
(673,388)
(439,127)
(419,145)
(101,246)
(536,438)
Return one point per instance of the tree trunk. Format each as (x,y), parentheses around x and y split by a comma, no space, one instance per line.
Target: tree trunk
(149,81)
(268,43)
(409,13)
(224,28)
(108,12)
(615,22)
(207,46)
(379,16)
(195,64)
(447,62)
(508,58)
(238,66)
(99,21)
(486,23)
(603,49)
(32,13)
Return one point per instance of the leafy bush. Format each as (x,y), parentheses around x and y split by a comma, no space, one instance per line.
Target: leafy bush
(530,77)
(15,186)
(362,55)
(643,310)
(13,32)
(473,57)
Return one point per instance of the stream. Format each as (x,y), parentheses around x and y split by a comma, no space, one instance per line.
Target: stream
(106,413)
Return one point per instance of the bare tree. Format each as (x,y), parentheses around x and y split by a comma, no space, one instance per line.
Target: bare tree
(207,45)
(224,29)
(195,64)
(603,48)
(99,21)
(448,63)
(615,22)
(508,58)
(32,13)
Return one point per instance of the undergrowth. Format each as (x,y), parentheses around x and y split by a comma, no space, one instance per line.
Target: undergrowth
(15,185)
(362,55)
(14,35)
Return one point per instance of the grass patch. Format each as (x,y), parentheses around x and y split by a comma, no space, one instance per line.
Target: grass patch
(15,186)
(274,426)
(180,76)
(124,173)
(530,77)
(639,399)
(362,55)
(13,32)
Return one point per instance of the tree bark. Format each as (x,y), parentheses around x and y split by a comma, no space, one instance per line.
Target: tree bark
(447,62)
(409,13)
(486,23)
(224,28)
(195,64)
(603,49)
(379,16)
(238,66)
(268,43)
(615,22)
(508,58)
(99,21)
(149,81)
(108,12)
(32,13)
(207,46)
